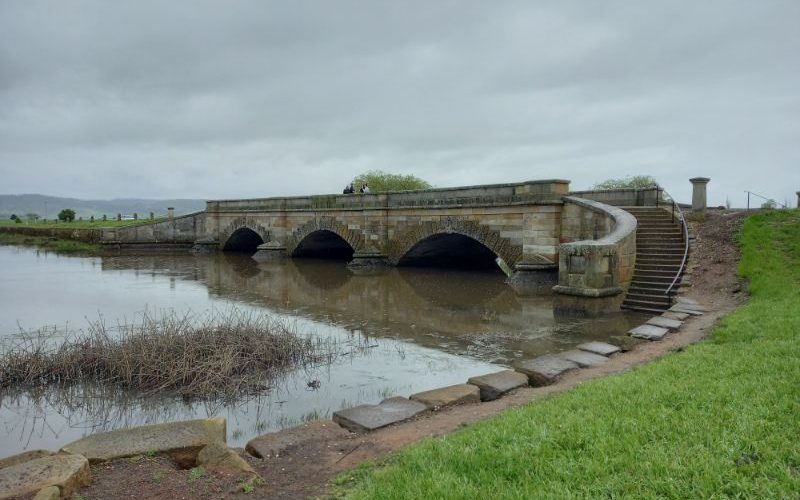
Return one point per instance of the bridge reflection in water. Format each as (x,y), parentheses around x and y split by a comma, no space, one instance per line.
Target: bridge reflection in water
(461,312)
(429,327)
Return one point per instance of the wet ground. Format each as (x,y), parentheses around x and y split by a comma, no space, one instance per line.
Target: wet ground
(406,330)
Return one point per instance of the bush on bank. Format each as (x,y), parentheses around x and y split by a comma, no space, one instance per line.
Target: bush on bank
(717,420)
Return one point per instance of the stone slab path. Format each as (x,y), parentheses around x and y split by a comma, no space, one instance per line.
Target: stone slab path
(448,396)
(648,332)
(545,370)
(600,348)
(189,436)
(494,385)
(276,444)
(583,359)
(67,472)
(670,324)
(370,417)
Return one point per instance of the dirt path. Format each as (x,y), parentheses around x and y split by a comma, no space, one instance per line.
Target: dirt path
(306,467)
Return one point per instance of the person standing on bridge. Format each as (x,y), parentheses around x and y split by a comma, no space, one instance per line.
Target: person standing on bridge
(349,189)
(365,188)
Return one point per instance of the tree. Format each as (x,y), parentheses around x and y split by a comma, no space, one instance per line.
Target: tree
(66,215)
(13,217)
(769,204)
(380,181)
(635,182)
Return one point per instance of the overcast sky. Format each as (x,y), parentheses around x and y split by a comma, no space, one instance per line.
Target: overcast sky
(230,99)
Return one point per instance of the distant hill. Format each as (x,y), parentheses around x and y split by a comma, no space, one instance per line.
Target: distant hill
(22,204)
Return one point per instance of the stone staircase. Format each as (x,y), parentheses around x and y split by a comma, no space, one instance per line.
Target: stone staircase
(659,251)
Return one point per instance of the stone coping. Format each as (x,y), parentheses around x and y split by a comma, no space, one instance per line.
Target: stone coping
(411,191)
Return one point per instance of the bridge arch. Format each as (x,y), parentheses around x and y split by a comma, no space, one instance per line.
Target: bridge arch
(323,237)
(433,236)
(243,234)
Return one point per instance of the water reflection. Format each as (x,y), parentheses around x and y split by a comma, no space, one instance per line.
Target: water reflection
(423,328)
(461,312)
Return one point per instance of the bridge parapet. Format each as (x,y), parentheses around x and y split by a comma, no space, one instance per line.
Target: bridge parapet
(597,260)
(543,192)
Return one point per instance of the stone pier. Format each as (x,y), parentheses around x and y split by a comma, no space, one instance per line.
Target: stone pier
(699,185)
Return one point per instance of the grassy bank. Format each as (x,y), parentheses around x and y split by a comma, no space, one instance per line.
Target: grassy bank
(54,244)
(720,419)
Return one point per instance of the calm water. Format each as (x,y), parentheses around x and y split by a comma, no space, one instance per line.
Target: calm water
(408,329)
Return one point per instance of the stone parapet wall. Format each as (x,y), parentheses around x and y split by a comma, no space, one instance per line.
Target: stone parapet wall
(185,229)
(624,197)
(598,253)
(531,192)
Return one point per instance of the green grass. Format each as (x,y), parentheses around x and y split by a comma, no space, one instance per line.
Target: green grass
(719,420)
(84,224)
(56,245)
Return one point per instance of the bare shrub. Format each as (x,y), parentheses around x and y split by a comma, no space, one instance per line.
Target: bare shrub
(196,356)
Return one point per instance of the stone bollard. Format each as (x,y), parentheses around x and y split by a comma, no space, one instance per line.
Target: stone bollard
(152,216)
(699,193)
(171,212)
(119,217)
(135,216)
(105,217)
(91,218)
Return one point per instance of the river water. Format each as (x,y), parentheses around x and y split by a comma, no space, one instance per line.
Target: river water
(408,330)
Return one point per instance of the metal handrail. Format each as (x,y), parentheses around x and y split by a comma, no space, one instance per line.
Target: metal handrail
(685,244)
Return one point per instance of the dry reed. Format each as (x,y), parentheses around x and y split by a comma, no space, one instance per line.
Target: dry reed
(208,356)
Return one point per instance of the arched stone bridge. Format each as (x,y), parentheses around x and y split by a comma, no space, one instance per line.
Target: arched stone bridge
(520,223)
(537,228)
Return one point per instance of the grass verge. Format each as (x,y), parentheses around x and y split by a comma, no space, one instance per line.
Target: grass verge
(77,224)
(49,243)
(720,419)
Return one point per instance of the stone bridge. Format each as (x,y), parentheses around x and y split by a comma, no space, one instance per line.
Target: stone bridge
(534,230)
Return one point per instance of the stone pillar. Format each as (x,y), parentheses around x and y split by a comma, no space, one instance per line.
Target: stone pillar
(171,212)
(135,216)
(152,216)
(119,217)
(270,251)
(798,199)
(699,193)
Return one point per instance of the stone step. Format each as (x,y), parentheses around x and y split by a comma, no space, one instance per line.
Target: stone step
(637,308)
(642,276)
(648,290)
(650,238)
(669,324)
(67,472)
(448,396)
(182,438)
(648,332)
(494,385)
(650,257)
(370,417)
(661,285)
(664,231)
(645,305)
(601,348)
(583,359)
(654,272)
(544,370)
(652,300)
(645,266)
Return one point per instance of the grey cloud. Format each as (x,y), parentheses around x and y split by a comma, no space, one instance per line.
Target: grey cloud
(227,99)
